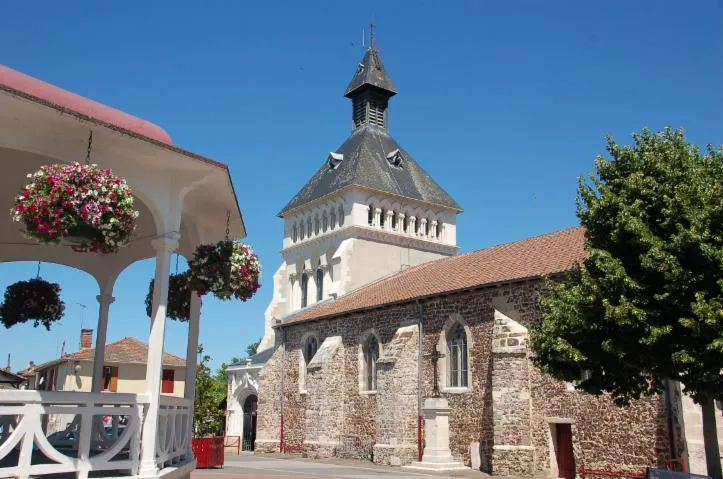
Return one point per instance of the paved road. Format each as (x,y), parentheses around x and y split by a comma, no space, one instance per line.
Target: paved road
(252,467)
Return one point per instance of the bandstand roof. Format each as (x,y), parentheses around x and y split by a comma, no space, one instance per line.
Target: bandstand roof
(41,123)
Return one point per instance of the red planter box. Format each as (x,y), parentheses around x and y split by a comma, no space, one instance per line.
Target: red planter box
(208,451)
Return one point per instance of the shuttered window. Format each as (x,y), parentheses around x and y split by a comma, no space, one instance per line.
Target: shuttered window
(168,381)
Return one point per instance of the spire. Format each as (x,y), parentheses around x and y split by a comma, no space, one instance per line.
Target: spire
(370,89)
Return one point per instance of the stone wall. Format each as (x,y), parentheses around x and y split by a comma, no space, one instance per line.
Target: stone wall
(603,434)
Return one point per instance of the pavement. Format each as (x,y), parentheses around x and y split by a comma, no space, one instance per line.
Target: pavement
(282,467)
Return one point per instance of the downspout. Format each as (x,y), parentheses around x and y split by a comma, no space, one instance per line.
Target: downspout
(669,413)
(281,392)
(420,382)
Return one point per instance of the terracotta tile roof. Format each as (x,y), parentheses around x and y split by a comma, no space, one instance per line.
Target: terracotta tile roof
(528,258)
(126,350)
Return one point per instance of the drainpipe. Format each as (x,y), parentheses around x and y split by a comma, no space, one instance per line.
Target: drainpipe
(281,392)
(420,383)
(669,413)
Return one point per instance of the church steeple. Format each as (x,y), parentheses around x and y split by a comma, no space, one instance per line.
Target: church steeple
(370,90)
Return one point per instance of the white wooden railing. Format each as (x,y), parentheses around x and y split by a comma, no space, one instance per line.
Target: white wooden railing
(174,431)
(44,432)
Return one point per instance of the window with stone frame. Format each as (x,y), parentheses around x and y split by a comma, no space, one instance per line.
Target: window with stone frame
(319,283)
(332,220)
(458,356)
(341,215)
(317,225)
(324,222)
(370,216)
(393,226)
(302,230)
(294,233)
(308,227)
(311,345)
(440,225)
(405,223)
(304,289)
(382,218)
(370,353)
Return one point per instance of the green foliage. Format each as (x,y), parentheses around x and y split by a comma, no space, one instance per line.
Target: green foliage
(252,348)
(647,305)
(208,413)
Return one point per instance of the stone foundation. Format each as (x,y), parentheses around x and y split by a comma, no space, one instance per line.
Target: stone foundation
(319,450)
(262,446)
(513,461)
(395,455)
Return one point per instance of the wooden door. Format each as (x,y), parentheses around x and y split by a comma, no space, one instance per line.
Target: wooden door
(565,456)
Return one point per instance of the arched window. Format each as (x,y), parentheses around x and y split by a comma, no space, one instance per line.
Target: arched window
(370,218)
(324,222)
(439,230)
(332,220)
(308,227)
(382,218)
(304,289)
(341,215)
(310,347)
(457,346)
(319,283)
(416,227)
(370,350)
(294,233)
(405,223)
(302,230)
(394,221)
(317,225)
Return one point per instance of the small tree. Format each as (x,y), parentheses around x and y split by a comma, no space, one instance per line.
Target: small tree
(647,304)
(252,348)
(208,417)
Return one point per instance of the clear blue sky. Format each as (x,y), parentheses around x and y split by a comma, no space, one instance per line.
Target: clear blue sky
(503,103)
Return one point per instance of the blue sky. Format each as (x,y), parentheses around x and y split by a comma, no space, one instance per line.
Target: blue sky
(503,103)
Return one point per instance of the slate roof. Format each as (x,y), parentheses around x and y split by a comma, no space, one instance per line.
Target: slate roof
(529,258)
(258,359)
(365,164)
(124,351)
(370,72)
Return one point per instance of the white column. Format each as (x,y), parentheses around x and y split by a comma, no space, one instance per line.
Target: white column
(164,248)
(191,359)
(410,226)
(388,221)
(377,217)
(423,227)
(104,301)
(433,233)
(400,222)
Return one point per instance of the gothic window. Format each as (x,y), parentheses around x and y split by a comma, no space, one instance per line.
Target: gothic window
(341,215)
(324,222)
(332,220)
(316,225)
(394,221)
(304,289)
(370,351)
(294,232)
(457,346)
(319,283)
(382,218)
(310,347)
(370,218)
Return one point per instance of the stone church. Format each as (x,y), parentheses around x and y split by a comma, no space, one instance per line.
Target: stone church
(371,287)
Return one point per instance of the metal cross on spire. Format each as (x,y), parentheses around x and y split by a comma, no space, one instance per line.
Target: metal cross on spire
(372,26)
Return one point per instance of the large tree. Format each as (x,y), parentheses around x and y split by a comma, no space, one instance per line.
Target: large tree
(646,306)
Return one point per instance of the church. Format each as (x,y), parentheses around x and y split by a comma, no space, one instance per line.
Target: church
(374,312)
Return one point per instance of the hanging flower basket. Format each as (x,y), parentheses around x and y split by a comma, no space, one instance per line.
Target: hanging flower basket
(33,300)
(82,205)
(226,269)
(179,297)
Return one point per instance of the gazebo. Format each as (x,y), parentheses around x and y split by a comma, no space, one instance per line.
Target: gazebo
(184,200)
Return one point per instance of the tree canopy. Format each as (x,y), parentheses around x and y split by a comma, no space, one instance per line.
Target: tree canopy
(647,304)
